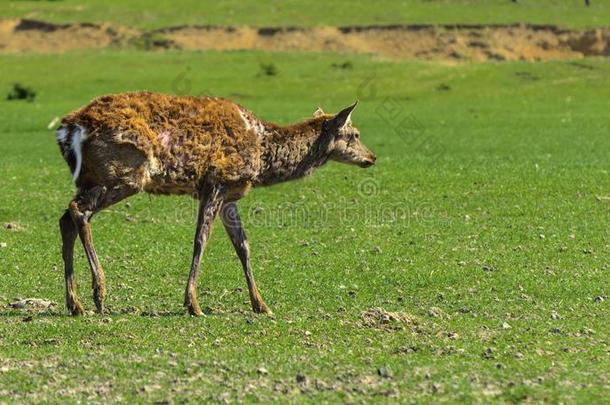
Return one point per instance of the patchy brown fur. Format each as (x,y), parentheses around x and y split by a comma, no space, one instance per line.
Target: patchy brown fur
(178,140)
(208,147)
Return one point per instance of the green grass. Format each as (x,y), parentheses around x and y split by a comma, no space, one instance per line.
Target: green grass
(482,210)
(162,13)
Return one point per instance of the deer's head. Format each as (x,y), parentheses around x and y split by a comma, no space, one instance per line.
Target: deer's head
(345,145)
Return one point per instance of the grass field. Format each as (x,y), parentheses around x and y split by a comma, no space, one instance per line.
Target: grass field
(163,13)
(469,265)
(484,226)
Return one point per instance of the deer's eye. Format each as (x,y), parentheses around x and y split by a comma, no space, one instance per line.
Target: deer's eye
(353,137)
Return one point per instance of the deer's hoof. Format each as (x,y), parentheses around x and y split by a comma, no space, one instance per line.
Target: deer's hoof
(76,309)
(194,310)
(262,309)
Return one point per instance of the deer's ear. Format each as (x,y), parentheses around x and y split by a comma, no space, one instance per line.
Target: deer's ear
(344,116)
(318,113)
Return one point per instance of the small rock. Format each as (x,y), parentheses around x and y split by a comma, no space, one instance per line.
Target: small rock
(435,312)
(505,325)
(3,245)
(555,315)
(461,263)
(453,335)
(385,372)
(600,298)
(262,371)
(321,385)
(489,267)
(129,310)
(488,353)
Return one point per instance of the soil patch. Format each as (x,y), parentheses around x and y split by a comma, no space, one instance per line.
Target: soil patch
(379,318)
(433,42)
(34,304)
(40,36)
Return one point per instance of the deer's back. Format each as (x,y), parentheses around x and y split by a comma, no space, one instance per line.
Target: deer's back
(165,144)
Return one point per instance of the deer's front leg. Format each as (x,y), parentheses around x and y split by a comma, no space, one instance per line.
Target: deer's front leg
(233,226)
(209,205)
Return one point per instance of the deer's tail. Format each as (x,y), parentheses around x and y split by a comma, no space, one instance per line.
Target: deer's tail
(70,140)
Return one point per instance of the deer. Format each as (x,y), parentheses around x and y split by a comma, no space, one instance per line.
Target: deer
(210,148)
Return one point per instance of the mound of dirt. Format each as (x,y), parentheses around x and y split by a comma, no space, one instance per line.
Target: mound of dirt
(34,304)
(436,42)
(379,318)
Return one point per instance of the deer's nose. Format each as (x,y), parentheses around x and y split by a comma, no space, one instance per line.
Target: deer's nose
(370,161)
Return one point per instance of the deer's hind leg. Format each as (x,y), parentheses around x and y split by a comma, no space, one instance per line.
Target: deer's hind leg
(68,237)
(83,206)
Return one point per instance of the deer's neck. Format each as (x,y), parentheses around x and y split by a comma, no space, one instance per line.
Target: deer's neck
(290,152)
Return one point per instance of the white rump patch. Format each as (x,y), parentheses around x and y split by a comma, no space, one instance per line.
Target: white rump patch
(72,141)
(76,145)
(62,135)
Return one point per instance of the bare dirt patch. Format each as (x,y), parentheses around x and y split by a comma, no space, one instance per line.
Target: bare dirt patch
(40,36)
(435,42)
(34,304)
(379,318)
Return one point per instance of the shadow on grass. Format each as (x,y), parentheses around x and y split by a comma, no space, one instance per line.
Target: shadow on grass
(29,315)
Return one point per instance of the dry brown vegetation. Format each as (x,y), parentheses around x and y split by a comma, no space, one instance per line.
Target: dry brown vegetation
(436,42)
